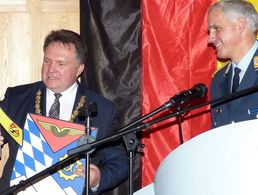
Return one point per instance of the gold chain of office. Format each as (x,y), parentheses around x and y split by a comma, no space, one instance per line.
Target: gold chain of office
(74,114)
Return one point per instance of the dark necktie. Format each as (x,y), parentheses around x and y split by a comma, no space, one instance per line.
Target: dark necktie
(55,108)
(235,79)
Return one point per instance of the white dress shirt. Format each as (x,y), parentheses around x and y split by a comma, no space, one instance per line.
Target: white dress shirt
(66,101)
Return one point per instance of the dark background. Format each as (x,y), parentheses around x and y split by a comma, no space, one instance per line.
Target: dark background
(112,32)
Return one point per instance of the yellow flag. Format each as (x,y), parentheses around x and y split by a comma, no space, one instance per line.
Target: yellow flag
(255,3)
(12,129)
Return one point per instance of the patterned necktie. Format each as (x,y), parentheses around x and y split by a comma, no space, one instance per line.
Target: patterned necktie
(55,108)
(236,79)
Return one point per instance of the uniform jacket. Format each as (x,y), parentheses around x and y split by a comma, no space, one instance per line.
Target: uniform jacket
(240,109)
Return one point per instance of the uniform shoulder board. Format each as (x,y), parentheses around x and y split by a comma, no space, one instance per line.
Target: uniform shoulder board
(221,67)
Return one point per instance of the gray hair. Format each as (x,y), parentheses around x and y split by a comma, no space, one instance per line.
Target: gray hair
(238,8)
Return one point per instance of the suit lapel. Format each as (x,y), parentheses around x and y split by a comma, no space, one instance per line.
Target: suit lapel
(43,102)
(225,84)
(226,81)
(79,94)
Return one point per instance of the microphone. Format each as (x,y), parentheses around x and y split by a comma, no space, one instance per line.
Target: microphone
(197,91)
(90,111)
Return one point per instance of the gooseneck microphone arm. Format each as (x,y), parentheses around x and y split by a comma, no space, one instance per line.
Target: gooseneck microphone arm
(197,91)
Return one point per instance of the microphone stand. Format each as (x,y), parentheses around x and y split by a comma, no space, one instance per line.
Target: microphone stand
(131,143)
(87,170)
(179,121)
(124,131)
(90,111)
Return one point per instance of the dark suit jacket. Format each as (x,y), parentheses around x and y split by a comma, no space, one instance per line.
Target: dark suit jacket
(239,109)
(111,160)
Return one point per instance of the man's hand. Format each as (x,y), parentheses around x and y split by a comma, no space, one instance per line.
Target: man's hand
(94,174)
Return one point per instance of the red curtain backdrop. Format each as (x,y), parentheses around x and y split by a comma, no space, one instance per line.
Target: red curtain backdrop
(175,56)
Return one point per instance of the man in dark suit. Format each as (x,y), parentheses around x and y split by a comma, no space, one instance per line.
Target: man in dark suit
(232,29)
(64,60)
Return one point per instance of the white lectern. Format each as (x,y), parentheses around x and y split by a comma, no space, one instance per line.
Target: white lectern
(222,161)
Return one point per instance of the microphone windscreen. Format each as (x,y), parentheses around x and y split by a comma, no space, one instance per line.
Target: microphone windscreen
(201,90)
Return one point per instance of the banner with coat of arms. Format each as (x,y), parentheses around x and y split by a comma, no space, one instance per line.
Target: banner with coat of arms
(45,142)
